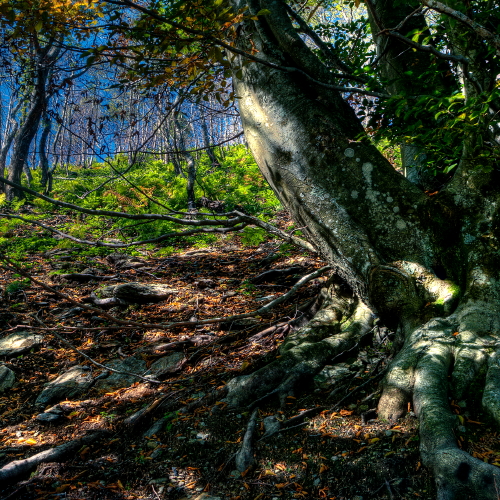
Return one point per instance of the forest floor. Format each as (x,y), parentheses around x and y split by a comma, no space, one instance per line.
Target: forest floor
(336,454)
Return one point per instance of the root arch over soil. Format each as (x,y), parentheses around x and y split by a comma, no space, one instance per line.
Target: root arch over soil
(440,360)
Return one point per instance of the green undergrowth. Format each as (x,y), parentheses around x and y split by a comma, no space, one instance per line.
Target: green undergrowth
(146,186)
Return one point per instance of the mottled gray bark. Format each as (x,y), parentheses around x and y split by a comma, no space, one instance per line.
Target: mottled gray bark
(387,239)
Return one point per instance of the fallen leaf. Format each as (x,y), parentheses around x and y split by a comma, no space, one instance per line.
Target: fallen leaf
(346,413)
(474,422)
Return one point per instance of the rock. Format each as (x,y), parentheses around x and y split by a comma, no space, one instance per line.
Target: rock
(19,343)
(50,418)
(69,385)
(118,380)
(136,293)
(329,376)
(201,496)
(7,378)
(125,261)
(159,480)
(271,425)
(156,428)
(70,313)
(168,364)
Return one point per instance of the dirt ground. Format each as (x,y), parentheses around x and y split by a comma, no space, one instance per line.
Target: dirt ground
(344,452)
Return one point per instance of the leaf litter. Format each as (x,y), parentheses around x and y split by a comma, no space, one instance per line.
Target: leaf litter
(170,453)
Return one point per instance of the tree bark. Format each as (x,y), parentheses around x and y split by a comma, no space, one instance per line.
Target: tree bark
(190,162)
(46,180)
(44,59)
(387,239)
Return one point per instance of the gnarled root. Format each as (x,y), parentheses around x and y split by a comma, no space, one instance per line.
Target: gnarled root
(337,327)
(464,343)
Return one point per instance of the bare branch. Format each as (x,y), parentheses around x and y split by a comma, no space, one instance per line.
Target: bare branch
(123,215)
(276,231)
(462,60)
(243,53)
(166,326)
(163,237)
(459,16)
(236,223)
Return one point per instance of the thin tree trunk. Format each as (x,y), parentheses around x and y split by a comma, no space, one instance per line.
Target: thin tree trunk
(207,143)
(44,160)
(191,166)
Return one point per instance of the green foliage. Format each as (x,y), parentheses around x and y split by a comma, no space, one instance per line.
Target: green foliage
(236,182)
(441,124)
(17,286)
(253,236)
(20,247)
(169,419)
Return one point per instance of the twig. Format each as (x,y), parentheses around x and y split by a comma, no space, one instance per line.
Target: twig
(138,415)
(337,405)
(291,423)
(166,326)
(459,16)
(388,486)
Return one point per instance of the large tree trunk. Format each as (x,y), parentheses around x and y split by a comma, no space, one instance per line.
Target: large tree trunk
(388,240)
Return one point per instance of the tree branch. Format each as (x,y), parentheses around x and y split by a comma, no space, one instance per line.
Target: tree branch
(459,16)
(462,60)
(243,53)
(163,237)
(166,326)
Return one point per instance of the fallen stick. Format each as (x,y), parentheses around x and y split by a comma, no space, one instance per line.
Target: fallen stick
(13,470)
(244,457)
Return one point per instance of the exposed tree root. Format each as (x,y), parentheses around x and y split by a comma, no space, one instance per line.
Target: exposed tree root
(18,468)
(464,343)
(336,328)
(244,457)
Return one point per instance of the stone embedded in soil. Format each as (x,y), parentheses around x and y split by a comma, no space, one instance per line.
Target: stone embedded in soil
(329,376)
(50,418)
(118,380)
(19,343)
(69,385)
(125,261)
(7,378)
(168,364)
(137,293)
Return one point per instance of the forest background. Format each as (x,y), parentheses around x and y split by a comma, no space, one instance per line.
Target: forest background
(123,162)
